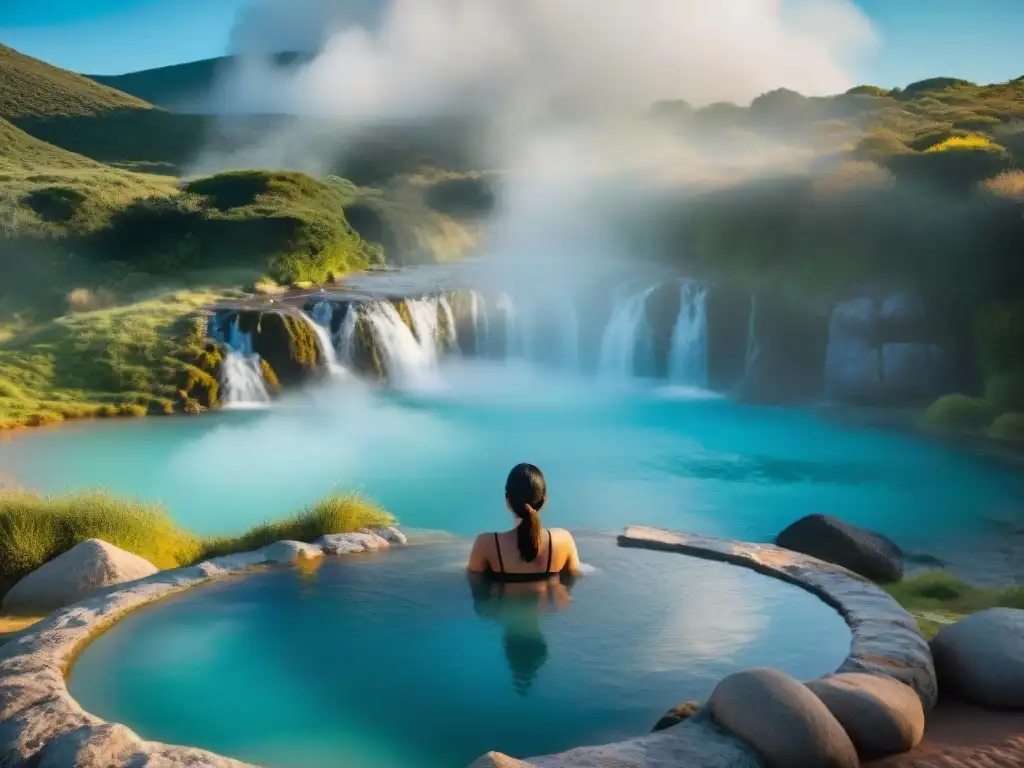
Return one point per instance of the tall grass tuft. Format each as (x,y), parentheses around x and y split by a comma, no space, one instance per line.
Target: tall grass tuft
(35,529)
(336,513)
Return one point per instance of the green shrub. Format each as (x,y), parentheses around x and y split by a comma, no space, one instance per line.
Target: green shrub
(959,412)
(867,90)
(955,165)
(1009,426)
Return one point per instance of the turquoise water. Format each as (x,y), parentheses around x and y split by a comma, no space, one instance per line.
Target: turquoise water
(438,459)
(394,660)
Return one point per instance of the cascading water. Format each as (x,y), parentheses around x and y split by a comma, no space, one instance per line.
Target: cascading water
(451,336)
(753,345)
(319,321)
(512,340)
(481,324)
(627,346)
(409,362)
(424,315)
(569,334)
(241,374)
(688,355)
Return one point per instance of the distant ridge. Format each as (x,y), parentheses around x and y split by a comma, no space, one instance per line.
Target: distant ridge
(179,85)
(33,88)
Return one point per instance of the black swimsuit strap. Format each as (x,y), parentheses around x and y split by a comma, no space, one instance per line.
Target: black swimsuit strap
(550,550)
(497,546)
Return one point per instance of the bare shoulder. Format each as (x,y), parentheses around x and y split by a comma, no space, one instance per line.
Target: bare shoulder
(562,535)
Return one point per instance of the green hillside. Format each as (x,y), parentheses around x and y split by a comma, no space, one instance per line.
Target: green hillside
(175,86)
(32,88)
(169,86)
(21,152)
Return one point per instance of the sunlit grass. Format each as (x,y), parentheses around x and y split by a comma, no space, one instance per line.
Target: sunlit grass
(938,597)
(35,528)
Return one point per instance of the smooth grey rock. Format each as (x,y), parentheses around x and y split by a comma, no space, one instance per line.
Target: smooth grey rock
(498,760)
(782,720)
(697,743)
(391,535)
(85,568)
(351,543)
(870,554)
(677,714)
(881,716)
(288,552)
(981,657)
(886,639)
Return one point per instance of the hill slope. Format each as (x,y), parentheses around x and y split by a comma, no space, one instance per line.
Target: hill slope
(21,152)
(168,87)
(32,88)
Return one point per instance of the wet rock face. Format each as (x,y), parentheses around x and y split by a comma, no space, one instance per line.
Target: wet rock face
(884,352)
(864,552)
(287,344)
(785,355)
(728,311)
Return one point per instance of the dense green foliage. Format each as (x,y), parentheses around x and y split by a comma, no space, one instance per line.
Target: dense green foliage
(35,529)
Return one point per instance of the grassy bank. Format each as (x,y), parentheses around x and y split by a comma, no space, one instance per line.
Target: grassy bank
(936,598)
(35,529)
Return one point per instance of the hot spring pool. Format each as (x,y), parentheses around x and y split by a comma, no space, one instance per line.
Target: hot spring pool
(437,458)
(393,659)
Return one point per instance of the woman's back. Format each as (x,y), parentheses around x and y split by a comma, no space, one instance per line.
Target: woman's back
(528,551)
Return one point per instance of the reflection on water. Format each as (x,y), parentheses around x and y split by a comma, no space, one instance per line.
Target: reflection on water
(518,608)
(781,471)
(319,666)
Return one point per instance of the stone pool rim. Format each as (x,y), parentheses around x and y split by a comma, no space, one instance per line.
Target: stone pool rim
(41,721)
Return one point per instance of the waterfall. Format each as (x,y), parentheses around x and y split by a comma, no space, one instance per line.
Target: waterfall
(425,322)
(688,356)
(409,362)
(481,324)
(504,305)
(569,334)
(753,345)
(451,336)
(627,348)
(319,320)
(241,373)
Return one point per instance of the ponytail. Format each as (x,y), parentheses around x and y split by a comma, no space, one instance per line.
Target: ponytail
(528,533)
(526,493)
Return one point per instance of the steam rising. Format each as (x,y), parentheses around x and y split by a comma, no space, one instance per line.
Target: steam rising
(557,89)
(396,59)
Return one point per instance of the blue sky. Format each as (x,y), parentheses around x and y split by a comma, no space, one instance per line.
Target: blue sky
(976,39)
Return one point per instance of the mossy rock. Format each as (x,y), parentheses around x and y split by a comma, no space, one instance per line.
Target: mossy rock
(288,345)
(959,412)
(999,338)
(1009,426)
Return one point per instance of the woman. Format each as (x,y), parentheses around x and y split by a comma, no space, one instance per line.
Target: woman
(528,552)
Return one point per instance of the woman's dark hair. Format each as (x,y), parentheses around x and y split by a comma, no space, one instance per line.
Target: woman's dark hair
(526,493)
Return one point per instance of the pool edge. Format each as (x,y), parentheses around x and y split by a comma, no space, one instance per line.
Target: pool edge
(41,722)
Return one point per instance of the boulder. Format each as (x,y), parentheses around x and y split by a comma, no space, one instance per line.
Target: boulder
(981,657)
(498,760)
(82,570)
(882,716)
(786,724)
(288,552)
(677,714)
(864,552)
